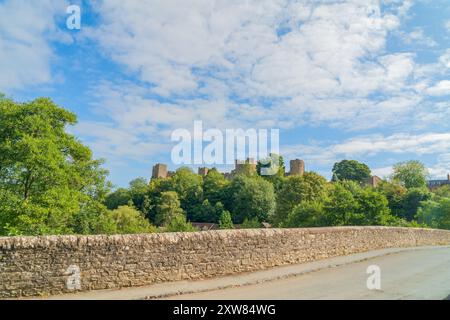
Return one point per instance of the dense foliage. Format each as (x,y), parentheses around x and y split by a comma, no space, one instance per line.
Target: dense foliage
(351,170)
(50,184)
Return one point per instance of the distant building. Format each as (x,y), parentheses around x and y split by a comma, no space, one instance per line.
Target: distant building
(203,171)
(297,167)
(433,184)
(373,181)
(159,171)
(240,167)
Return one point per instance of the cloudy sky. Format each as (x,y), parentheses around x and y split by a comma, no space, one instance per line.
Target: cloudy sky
(358,79)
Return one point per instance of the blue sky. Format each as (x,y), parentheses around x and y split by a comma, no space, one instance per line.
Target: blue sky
(364,80)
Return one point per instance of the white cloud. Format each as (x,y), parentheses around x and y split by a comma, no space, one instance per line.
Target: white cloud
(442,88)
(447,25)
(365,148)
(383,172)
(223,48)
(418,37)
(25,30)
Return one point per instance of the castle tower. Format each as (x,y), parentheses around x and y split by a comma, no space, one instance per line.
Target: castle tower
(203,171)
(252,163)
(238,164)
(448,177)
(159,171)
(297,167)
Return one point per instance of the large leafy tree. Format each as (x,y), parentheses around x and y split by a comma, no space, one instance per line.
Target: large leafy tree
(296,189)
(341,206)
(251,197)
(214,186)
(168,208)
(189,187)
(411,202)
(138,192)
(349,204)
(47,176)
(351,170)
(119,197)
(410,174)
(306,214)
(395,193)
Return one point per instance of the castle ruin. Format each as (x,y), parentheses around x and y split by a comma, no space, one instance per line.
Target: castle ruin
(297,167)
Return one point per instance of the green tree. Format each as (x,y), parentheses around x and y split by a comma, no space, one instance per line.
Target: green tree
(178,223)
(155,189)
(373,207)
(350,204)
(168,208)
(435,213)
(410,174)
(295,189)
(252,223)
(138,191)
(394,193)
(411,202)
(94,218)
(341,207)
(306,214)
(351,170)
(443,191)
(47,176)
(189,187)
(214,186)
(128,220)
(207,212)
(251,197)
(225,221)
(119,197)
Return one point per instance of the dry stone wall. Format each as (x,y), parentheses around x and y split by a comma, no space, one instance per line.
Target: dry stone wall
(48,265)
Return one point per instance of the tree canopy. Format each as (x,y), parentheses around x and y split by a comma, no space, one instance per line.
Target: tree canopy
(351,170)
(410,174)
(47,175)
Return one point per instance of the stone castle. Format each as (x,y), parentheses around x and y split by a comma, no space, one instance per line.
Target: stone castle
(297,168)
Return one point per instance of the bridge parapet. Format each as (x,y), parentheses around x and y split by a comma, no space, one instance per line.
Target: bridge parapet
(48,265)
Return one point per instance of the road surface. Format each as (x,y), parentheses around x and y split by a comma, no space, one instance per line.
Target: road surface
(416,274)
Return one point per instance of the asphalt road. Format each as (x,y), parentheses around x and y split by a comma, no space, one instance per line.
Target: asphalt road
(418,274)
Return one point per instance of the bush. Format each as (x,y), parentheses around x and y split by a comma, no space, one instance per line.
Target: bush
(251,224)
(306,214)
(128,220)
(178,223)
(225,221)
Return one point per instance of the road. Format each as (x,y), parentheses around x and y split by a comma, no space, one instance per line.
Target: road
(417,274)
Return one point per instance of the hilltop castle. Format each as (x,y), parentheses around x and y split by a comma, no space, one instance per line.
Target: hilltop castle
(297,168)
